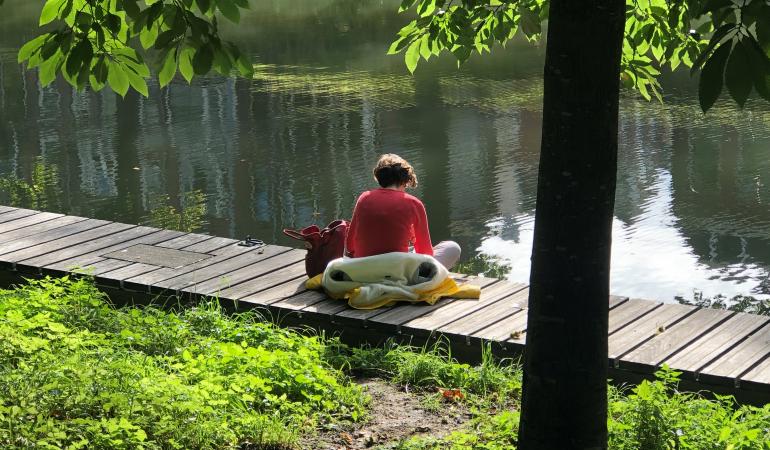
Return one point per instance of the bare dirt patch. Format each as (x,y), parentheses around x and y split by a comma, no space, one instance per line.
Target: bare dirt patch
(396,413)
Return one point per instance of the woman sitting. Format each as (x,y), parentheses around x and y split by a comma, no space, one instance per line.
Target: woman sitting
(390,220)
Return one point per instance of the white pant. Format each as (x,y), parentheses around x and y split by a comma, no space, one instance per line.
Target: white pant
(447,253)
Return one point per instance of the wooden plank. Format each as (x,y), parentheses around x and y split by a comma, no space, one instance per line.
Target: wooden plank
(5,209)
(131,270)
(640,331)
(302,300)
(37,229)
(184,241)
(628,312)
(116,275)
(716,342)
(741,357)
(327,306)
(215,270)
(276,293)
(16,214)
(679,336)
(616,300)
(54,231)
(448,311)
(265,270)
(213,245)
(236,290)
(511,329)
(759,374)
(27,221)
(34,250)
(123,237)
(96,250)
(407,312)
(483,318)
(148,280)
(99,266)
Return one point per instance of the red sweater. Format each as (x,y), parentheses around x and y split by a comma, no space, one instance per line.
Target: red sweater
(386,220)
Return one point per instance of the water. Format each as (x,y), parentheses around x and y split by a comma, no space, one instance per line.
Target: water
(295,145)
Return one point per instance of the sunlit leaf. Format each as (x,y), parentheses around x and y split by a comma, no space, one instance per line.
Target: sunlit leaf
(118,79)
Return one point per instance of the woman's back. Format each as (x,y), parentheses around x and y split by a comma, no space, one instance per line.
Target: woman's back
(388,220)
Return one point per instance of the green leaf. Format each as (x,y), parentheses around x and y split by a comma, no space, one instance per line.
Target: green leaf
(31,47)
(760,69)
(229,10)
(412,56)
(203,5)
(244,66)
(169,68)
(148,36)
(131,8)
(763,33)
(718,35)
(118,79)
(50,11)
(164,39)
(202,60)
(185,63)
(712,76)
(738,76)
(137,82)
(714,5)
(49,68)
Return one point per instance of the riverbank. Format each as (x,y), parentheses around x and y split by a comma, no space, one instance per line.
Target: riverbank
(77,372)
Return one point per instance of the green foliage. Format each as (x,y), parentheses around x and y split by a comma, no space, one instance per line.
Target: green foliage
(429,368)
(483,265)
(96,41)
(77,373)
(486,432)
(42,192)
(739,303)
(658,33)
(188,218)
(655,416)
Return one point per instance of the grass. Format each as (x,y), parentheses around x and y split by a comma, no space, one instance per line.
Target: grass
(77,373)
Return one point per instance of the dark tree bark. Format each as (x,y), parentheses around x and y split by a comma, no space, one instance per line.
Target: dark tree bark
(565,366)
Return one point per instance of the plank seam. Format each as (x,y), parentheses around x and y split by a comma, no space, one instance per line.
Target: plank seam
(691,341)
(195,283)
(699,370)
(625,324)
(619,358)
(56,238)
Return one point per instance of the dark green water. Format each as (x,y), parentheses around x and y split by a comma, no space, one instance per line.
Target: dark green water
(295,145)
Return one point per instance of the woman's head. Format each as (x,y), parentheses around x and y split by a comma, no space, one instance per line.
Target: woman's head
(393,171)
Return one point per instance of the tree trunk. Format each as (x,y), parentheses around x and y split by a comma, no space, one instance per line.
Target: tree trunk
(565,366)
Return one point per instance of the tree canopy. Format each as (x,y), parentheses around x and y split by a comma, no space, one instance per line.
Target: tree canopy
(101,42)
(116,42)
(727,41)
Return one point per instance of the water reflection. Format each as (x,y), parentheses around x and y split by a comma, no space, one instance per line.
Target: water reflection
(295,145)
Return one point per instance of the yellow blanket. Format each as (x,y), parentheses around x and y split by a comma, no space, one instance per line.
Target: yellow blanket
(375,281)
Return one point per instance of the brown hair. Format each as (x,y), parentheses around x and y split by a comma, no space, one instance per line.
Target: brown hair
(393,170)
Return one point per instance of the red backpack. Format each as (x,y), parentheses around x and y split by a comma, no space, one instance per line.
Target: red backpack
(323,245)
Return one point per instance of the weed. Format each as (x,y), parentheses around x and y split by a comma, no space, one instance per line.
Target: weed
(78,373)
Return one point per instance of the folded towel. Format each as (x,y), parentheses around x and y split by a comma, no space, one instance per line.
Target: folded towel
(374,281)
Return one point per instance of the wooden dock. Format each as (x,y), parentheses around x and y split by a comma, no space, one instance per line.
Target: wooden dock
(716,350)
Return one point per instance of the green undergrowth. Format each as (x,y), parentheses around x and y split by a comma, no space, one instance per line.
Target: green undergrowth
(76,373)
(491,383)
(653,415)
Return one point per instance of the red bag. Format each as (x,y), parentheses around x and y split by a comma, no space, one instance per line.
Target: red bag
(322,245)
